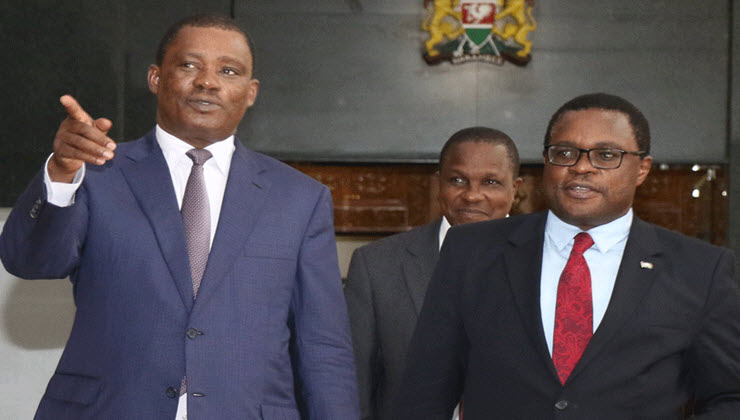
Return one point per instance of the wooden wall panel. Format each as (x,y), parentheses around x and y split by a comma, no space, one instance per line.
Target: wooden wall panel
(389,198)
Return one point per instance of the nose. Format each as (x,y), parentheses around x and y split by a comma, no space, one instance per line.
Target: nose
(472,194)
(206,79)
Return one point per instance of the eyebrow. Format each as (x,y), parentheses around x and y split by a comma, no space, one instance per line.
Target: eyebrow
(487,174)
(598,145)
(224,58)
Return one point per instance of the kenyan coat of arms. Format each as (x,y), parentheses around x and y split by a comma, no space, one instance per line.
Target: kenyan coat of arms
(493,31)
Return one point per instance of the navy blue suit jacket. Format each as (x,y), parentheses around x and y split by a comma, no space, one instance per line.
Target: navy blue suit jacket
(267,337)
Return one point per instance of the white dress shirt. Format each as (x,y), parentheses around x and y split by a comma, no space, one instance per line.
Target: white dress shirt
(215,174)
(603,259)
(444,226)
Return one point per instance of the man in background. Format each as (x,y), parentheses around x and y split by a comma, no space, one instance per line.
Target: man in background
(583,312)
(205,274)
(478,178)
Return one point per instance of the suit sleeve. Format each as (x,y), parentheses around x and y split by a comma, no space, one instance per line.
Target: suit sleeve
(435,364)
(41,240)
(714,357)
(361,308)
(322,347)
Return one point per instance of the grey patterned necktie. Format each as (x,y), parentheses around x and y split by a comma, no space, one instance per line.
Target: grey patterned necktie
(196,215)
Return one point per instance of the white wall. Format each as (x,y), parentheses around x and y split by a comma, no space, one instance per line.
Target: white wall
(35,320)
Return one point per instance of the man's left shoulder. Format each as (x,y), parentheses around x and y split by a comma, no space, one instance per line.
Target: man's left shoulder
(672,239)
(280,172)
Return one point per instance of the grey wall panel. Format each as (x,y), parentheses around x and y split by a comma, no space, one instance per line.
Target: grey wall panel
(341,82)
(352,86)
(683,110)
(322,7)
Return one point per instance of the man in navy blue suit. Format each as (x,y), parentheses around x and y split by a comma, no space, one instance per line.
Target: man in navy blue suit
(258,328)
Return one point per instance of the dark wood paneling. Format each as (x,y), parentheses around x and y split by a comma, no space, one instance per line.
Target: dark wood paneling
(385,199)
(377,198)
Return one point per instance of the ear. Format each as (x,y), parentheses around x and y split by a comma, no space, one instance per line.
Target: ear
(516,196)
(254,87)
(517,182)
(644,169)
(153,78)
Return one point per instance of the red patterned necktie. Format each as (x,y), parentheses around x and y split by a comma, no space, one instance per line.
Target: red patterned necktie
(574,315)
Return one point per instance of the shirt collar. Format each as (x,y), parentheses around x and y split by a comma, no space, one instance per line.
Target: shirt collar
(605,236)
(174,149)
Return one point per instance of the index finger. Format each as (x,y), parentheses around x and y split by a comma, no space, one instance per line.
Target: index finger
(74,109)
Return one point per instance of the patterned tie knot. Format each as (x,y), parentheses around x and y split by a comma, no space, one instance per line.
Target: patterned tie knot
(199,156)
(583,241)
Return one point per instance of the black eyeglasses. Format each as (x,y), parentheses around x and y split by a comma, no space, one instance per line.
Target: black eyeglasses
(600,157)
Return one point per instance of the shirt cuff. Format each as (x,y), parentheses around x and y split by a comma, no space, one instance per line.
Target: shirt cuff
(62,194)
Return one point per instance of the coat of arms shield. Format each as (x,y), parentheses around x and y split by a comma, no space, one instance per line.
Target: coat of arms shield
(478,30)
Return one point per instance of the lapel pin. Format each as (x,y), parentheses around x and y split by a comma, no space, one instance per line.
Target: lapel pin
(646,265)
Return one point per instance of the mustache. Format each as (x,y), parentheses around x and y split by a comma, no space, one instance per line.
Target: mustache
(583,184)
(204,95)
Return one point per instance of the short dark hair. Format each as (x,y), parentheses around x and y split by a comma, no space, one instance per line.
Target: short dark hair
(202,20)
(483,135)
(607,102)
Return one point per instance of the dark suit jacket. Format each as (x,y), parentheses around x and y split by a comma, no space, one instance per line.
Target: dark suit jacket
(668,332)
(268,334)
(385,289)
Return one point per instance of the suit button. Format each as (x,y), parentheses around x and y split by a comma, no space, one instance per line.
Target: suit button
(562,405)
(34,213)
(171,392)
(192,333)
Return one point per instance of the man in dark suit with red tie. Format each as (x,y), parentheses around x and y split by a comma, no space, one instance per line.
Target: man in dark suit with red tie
(583,312)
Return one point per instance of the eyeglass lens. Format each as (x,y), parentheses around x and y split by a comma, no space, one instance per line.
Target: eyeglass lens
(599,158)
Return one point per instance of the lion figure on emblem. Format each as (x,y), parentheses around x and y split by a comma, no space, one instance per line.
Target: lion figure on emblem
(521,12)
(440,28)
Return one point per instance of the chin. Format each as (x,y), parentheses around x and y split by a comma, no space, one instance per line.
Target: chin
(463,220)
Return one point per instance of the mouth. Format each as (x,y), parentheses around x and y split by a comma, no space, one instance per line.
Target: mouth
(203,104)
(581,190)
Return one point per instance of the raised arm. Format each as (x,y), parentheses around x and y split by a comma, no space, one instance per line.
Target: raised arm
(42,240)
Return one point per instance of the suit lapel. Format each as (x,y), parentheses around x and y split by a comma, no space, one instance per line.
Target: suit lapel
(523,261)
(148,176)
(630,287)
(422,253)
(244,198)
